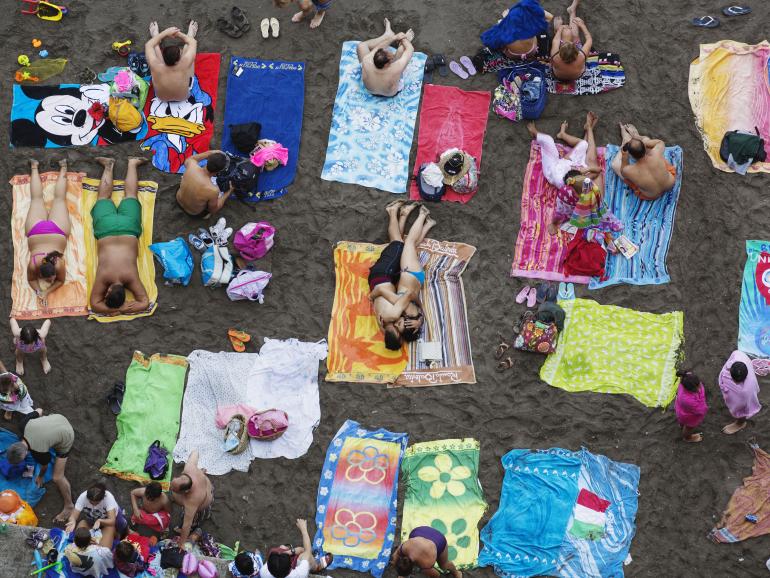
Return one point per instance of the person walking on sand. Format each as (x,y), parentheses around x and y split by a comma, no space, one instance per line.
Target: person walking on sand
(740,391)
(306,8)
(47,233)
(117,231)
(192,490)
(568,54)
(651,175)
(381,68)
(172,64)
(690,405)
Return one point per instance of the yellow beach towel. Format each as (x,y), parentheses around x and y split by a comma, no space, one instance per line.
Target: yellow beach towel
(71,298)
(146,265)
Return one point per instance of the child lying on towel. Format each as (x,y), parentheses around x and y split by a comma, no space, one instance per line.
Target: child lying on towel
(155,510)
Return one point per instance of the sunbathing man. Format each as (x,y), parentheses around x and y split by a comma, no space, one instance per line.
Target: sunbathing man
(198,194)
(172,66)
(192,490)
(583,159)
(47,233)
(381,68)
(117,231)
(568,54)
(651,175)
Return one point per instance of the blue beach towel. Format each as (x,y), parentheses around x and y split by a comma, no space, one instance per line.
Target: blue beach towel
(525,19)
(754,313)
(648,224)
(271,93)
(25,487)
(371,136)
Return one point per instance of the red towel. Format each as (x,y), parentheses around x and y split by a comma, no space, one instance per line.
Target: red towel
(450,118)
(584,257)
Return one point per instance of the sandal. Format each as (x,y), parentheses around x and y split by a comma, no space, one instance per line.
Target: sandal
(523,294)
(238,339)
(226,27)
(736,10)
(468,64)
(430,66)
(501,349)
(504,365)
(264,26)
(115,398)
(238,17)
(705,22)
(458,70)
(440,62)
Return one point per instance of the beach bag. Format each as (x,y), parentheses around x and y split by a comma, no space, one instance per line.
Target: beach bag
(176,259)
(506,101)
(254,240)
(124,115)
(131,87)
(245,136)
(172,557)
(268,425)
(242,434)
(249,285)
(469,182)
(745,147)
(533,90)
(216,266)
(156,464)
(534,335)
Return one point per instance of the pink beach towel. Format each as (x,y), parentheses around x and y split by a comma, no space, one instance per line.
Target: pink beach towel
(450,118)
(539,255)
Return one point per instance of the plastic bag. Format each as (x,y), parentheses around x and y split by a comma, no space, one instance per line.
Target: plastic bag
(248,285)
(177,261)
(40,70)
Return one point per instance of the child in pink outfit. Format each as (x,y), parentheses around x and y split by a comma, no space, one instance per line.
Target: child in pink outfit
(740,390)
(690,405)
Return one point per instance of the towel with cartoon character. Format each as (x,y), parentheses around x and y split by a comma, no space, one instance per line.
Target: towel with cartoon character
(179,130)
(65,115)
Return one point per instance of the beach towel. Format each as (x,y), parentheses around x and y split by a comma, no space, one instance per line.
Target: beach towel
(25,487)
(150,412)
(450,118)
(535,530)
(648,224)
(179,130)
(752,497)
(145,263)
(371,136)
(611,349)
(71,298)
(443,491)
(525,19)
(538,254)
(754,311)
(603,73)
(358,498)
(357,352)
(283,375)
(728,90)
(271,93)
(56,116)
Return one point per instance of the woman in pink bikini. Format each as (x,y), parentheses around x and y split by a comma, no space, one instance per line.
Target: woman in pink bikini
(47,233)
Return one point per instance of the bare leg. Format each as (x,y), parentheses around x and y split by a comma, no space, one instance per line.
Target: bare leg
(59,213)
(132,179)
(108,535)
(572,11)
(566,137)
(19,362)
(105,184)
(63,484)
(306,9)
(403,215)
(532,128)
(44,361)
(192,29)
(366,46)
(592,158)
(37,211)
(429,224)
(394,231)
(410,260)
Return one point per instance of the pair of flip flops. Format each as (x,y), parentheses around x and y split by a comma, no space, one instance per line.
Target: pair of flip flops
(115,397)
(566,291)
(437,61)
(238,339)
(270,25)
(237,26)
(534,295)
(712,22)
(458,69)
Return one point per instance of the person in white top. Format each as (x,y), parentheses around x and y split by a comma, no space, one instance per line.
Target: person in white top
(96,509)
(290,562)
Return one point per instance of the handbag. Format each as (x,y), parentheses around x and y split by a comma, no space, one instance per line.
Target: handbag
(268,425)
(506,101)
(535,336)
(248,285)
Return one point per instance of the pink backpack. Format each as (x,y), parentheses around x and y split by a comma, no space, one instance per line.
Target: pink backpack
(254,240)
(268,425)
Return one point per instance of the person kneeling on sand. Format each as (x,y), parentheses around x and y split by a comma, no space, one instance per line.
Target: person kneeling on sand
(425,548)
(117,231)
(293,562)
(192,490)
(173,65)
(198,194)
(155,510)
(651,175)
(740,391)
(381,68)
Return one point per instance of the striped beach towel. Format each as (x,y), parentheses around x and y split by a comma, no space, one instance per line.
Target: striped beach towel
(539,255)
(71,298)
(648,224)
(728,90)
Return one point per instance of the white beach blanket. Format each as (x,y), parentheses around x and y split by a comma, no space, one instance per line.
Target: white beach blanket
(283,375)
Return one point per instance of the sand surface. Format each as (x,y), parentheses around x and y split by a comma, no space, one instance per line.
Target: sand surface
(683,489)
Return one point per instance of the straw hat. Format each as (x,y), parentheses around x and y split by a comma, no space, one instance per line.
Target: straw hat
(454,165)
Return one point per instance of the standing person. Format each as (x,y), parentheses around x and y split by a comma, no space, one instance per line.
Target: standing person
(192,490)
(199,194)
(740,390)
(155,510)
(47,233)
(172,65)
(28,340)
(294,562)
(690,405)
(568,53)
(307,7)
(41,434)
(651,175)
(117,231)
(97,509)
(381,68)
(425,547)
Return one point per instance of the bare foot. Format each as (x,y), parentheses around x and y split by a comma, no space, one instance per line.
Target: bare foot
(406,210)
(106,162)
(734,427)
(64,515)
(562,130)
(136,160)
(694,438)
(317,19)
(572,8)
(532,129)
(46,367)
(409,35)
(192,30)
(19,368)
(591,120)
(298,17)
(33,163)
(393,206)
(154,30)
(387,26)
(424,210)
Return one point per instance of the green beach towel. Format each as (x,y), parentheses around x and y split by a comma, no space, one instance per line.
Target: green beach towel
(611,349)
(443,491)
(150,411)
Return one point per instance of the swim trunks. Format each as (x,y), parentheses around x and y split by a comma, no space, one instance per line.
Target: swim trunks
(112,221)
(46,228)
(321,6)
(638,192)
(387,269)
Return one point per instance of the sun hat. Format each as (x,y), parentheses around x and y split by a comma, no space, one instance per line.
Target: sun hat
(454,165)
